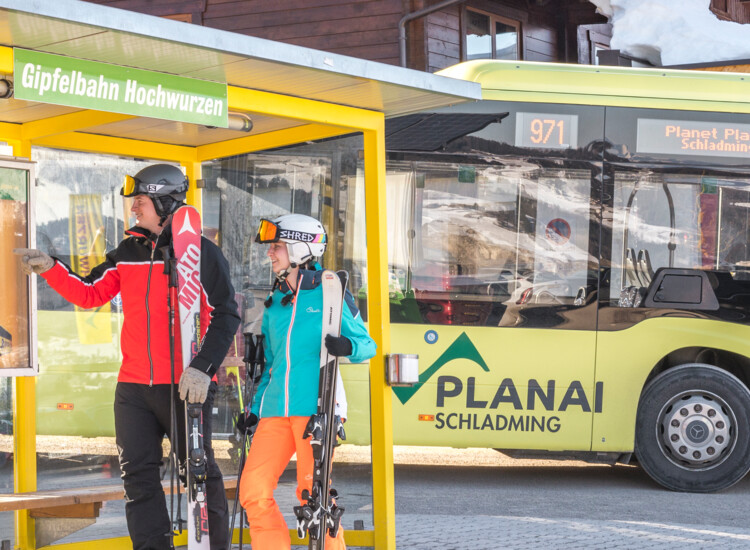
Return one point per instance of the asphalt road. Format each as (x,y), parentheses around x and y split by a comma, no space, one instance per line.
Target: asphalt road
(478,498)
(563,490)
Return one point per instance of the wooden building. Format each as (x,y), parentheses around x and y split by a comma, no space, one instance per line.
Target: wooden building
(567,31)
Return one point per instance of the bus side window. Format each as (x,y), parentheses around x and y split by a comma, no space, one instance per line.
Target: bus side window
(665,219)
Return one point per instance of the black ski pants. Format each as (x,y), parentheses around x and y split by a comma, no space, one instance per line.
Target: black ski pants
(142,419)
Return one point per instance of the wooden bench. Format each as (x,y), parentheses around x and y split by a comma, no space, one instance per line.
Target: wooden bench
(60,512)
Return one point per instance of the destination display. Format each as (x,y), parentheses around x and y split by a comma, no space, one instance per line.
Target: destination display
(688,137)
(546,131)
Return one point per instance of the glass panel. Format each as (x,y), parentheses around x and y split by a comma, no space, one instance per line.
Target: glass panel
(239,192)
(678,220)
(14,306)
(506,41)
(481,243)
(244,189)
(79,216)
(320,180)
(478,36)
(6,455)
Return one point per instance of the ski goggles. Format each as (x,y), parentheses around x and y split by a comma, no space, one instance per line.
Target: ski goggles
(133,186)
(269,232)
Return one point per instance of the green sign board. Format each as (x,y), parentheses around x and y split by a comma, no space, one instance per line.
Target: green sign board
(62,80)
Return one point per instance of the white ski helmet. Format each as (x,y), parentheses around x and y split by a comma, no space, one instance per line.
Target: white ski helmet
(305,236)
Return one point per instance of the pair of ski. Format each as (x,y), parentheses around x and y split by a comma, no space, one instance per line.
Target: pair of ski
(183,268)
(320,514)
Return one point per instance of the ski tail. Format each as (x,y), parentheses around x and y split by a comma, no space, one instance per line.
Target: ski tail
(197,468)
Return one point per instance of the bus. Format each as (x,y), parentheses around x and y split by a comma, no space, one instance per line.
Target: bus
(568,257)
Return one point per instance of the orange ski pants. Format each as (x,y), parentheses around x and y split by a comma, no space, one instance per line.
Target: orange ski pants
(276,439)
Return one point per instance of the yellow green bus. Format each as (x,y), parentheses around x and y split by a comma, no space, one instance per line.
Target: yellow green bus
(568,257)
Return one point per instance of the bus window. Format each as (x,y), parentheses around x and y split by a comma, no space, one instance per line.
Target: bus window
(677,220)
(474,244)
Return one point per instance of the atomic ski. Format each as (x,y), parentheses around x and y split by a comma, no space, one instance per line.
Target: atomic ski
(320,514)
(186,239)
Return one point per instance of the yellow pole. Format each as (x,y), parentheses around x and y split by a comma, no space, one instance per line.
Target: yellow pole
(24,427)
(194,172)
(378,316)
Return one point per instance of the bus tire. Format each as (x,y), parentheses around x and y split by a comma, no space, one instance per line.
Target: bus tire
(692,432)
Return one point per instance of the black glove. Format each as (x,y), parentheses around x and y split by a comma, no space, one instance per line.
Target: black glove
(244,422)
(340,346)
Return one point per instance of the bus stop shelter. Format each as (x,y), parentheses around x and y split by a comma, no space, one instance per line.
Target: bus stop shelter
(291,95)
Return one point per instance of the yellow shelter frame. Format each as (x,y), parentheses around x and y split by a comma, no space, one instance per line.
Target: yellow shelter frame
(293,94)
(319,119)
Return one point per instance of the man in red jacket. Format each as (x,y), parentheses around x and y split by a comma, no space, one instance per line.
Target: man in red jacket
(135,270)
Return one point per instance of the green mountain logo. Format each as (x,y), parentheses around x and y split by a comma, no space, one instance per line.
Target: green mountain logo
(461,348)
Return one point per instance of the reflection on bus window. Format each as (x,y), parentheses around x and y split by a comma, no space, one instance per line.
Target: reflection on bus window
(680,221)
(477,244)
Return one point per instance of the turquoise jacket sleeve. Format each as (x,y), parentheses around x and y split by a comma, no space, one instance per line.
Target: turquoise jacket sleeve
(363,347)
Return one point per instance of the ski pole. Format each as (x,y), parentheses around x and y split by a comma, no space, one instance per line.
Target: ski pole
(170,269)
(254,358)
(247,359)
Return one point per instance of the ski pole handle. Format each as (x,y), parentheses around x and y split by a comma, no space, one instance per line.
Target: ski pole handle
(170,265)
(249,348)
(254,360)
(259,360)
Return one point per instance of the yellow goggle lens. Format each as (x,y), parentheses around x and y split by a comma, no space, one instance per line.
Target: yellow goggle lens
(128,186)
(268,232)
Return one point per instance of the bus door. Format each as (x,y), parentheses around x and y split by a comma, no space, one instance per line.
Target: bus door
(495,274)
(675,285)
(684,219)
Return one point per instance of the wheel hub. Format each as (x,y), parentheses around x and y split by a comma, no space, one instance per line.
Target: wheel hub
(696,430)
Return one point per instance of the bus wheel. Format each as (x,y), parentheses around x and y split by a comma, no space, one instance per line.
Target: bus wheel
(692,432)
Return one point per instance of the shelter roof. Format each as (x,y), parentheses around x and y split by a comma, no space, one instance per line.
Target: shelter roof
(100,33)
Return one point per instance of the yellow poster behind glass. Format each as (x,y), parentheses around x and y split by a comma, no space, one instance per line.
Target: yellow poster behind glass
(14,306)
(87,250)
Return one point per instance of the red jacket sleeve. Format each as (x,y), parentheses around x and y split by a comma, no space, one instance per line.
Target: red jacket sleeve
(93,290)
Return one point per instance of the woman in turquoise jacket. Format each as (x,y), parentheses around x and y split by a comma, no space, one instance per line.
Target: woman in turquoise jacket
(287,393)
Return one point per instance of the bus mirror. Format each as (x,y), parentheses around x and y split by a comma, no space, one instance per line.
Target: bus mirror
(402,369)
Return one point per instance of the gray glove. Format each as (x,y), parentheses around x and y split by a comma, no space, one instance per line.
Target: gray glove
(34,261)
(194,385)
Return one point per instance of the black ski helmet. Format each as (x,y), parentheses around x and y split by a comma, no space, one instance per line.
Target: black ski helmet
(164,184)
